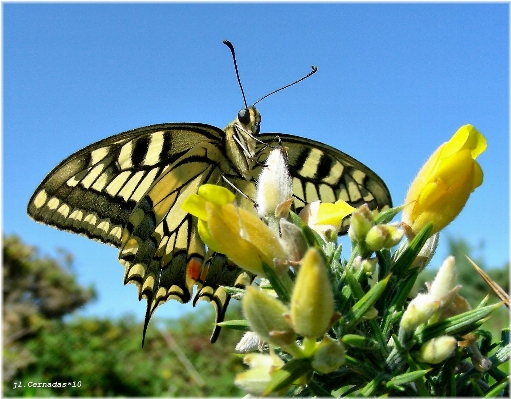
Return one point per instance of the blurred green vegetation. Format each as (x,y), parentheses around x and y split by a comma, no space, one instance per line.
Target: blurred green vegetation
(105,356)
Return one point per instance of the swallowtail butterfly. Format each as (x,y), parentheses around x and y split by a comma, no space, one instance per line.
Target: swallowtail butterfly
(127,191)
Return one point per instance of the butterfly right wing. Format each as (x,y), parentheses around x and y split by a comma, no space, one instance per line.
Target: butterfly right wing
(321,172)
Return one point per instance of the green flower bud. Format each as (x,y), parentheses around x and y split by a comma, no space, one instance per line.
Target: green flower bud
(367,264)
(375,238)
(383,236)
(329,356)
(312,301)
(360,342)
(265,314)
(394,235)
(438,349)
(361,222)
(371,313)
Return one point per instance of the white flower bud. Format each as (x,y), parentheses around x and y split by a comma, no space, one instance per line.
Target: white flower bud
(274,185)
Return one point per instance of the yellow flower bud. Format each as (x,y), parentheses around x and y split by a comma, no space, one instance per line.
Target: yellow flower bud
(265,315)
(438,349)
(444,183)
(312,301)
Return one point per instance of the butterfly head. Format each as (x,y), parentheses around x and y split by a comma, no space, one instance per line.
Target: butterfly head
(249,120)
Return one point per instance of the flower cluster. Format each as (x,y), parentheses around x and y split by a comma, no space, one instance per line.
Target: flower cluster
(318,325)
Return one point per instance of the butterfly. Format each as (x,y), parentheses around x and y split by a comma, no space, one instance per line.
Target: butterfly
(127,190)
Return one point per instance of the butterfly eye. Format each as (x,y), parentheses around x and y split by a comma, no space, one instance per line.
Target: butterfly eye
(244,116)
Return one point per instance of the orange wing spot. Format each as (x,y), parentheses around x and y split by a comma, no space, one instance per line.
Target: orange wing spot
(194,268)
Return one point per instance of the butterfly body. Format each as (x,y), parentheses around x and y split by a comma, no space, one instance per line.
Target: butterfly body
(127,190)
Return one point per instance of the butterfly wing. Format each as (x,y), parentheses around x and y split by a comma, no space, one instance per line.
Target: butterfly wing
(126,191)
(321,172)
(220,272)
(160,246)
(94,191)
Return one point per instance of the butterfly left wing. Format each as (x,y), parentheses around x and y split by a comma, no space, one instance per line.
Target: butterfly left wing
(126,191)
(321,172)
(94,191)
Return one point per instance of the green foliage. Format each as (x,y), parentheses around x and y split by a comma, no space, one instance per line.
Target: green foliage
(106,359)
(101,357)
(36,290)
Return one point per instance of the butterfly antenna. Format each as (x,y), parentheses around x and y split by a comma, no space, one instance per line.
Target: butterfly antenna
(314,70)
(231,47)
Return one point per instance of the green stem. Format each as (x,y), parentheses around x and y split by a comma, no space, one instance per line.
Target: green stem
(309,346)
(294,350)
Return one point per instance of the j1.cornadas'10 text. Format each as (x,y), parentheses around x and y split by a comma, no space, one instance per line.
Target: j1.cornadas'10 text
(30,384)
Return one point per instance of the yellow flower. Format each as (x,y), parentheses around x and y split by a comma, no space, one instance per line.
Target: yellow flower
(262,367)
(443,185)
(333,214)
(233,231)
(326,218)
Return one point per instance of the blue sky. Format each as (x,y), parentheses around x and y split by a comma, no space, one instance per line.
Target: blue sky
(394,81)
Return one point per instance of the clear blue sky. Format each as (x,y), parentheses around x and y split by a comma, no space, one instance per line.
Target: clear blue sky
(394,82)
